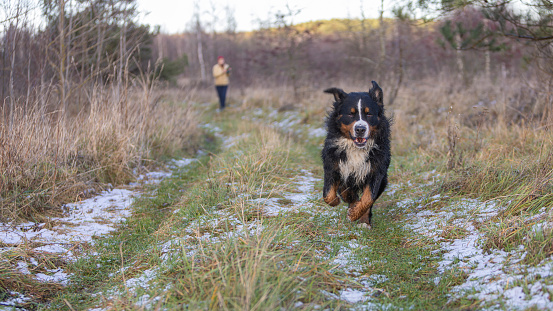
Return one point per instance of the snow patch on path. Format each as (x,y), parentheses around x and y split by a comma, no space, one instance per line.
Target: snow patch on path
(86,219)
(299,200)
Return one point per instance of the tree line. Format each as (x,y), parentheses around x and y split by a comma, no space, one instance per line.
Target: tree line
(102,42)
(54,59)
(462,40)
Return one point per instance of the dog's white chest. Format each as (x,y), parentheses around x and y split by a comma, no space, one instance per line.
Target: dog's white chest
(356,164)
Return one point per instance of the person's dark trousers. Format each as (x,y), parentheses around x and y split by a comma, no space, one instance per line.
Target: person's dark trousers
(222,92)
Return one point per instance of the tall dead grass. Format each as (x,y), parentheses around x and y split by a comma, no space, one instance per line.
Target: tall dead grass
(493,138)
(47,159)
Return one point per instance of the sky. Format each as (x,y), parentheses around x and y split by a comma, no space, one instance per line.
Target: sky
(175,15)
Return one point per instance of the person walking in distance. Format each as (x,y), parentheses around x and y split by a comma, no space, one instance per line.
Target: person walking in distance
(221,73)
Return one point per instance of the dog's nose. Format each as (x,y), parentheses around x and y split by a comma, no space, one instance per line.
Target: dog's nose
(360,130)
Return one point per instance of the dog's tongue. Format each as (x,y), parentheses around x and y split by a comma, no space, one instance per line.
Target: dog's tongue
(360,140)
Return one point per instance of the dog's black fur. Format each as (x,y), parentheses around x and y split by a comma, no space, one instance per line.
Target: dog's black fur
(356,152)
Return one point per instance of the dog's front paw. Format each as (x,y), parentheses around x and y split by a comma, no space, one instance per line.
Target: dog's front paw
(364,226)
(365,220)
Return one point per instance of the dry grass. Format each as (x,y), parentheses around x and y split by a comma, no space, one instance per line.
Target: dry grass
(509,233)
(46,161)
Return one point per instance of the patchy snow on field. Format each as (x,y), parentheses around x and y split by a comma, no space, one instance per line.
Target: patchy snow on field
(142,280)
(495,278)
(349,263)
(55,276)
(299,200)
(498,278)
(288,122)
(317,132)
(231,141)
(82,222)
(134,286)
(206,231)
(14,301)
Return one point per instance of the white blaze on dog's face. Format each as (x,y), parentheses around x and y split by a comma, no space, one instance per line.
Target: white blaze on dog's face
(358,119)
(360,127)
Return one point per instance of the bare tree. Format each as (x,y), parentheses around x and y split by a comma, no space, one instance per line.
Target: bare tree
(16,13)
(198,29)
(382,37)
(62,56)
(231,24)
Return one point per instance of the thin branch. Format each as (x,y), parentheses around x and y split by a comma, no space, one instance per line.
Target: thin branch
(532,38)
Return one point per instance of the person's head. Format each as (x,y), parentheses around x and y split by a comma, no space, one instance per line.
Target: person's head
(221,60)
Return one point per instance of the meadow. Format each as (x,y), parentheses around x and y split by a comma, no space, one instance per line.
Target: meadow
(464,223)
(123,187)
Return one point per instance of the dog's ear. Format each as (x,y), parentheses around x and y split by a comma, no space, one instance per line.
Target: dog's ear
(339,94)
(376,94)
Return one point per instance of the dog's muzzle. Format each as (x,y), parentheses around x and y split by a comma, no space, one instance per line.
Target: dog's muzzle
(360,138)
(360,130)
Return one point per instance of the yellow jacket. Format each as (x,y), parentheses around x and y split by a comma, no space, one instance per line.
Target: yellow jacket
(220,74)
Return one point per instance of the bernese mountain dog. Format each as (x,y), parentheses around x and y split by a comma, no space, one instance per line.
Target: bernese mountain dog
(356,152)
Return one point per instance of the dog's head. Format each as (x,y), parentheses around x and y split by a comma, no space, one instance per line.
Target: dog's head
(358,114)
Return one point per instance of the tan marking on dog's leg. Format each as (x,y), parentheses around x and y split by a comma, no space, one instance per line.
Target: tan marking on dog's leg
(331,198)
(358,209)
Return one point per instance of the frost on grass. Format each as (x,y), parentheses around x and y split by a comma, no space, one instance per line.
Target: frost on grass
(85,219)
(135,286)
(231,141)
(207,232)
(142,280)
(498,280)
(202,233)
(210,229)
(55,276)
